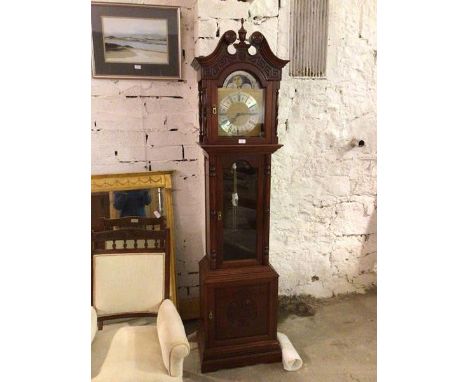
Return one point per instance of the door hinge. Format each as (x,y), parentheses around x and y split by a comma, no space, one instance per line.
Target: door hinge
(214,110)
(210,315)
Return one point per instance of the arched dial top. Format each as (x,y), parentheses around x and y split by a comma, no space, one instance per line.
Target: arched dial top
(238,89)
(241,79)
(240,106)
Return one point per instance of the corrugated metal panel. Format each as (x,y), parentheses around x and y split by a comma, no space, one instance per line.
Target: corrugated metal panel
(308,38)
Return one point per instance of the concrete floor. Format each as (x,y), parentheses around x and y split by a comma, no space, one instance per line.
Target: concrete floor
(337,344)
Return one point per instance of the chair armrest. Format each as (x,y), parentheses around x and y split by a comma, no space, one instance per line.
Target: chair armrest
(172,338)
(93,323)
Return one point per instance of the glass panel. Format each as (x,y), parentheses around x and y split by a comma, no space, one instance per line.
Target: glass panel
(240,181)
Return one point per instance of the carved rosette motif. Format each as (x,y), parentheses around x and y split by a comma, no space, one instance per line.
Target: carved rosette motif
(230,36)
(242,311)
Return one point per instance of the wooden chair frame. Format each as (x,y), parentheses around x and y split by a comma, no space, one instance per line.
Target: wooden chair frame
(134,222)
(145,180)
(162,244)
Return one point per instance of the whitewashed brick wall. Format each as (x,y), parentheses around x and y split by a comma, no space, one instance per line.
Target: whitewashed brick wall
(139,125)
(323,219)
(323,207)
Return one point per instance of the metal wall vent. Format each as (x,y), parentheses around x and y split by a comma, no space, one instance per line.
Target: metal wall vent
(308,38)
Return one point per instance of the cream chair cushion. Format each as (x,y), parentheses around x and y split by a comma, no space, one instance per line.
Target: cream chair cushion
(94,327)
(125,283)
(172,338)
(122,353)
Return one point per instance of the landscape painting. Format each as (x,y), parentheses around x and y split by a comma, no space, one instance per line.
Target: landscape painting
(135,40)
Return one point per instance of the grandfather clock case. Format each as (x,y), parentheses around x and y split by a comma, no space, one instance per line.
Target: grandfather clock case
(238,88)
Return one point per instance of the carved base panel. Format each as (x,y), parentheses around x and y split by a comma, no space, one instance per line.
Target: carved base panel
(238,316)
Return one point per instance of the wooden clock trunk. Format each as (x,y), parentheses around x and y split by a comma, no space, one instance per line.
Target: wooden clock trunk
(238,120)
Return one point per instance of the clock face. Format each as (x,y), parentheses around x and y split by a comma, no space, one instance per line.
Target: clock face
(239,114)
(240,106)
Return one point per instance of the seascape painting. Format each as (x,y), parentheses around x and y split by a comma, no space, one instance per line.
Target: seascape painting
(135,40)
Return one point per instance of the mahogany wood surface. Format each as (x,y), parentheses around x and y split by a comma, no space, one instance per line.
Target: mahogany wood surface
(213,70)
(99,207)
(238,316)
(238,298)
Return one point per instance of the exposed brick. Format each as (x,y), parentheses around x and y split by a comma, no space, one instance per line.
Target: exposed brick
(158,153)
(227,9)
(263,8)
(323,206)
(206,28)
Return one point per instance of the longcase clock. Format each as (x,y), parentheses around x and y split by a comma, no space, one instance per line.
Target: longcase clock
(238,88)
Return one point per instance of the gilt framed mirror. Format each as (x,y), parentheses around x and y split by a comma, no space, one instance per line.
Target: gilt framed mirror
(144,194)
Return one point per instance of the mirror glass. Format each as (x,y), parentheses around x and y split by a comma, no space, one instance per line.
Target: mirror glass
(117,204)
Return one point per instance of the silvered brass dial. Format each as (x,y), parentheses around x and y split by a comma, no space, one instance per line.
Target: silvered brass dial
(239,114)
(240,106)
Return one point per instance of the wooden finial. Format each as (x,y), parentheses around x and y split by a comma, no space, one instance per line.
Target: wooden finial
(242,31)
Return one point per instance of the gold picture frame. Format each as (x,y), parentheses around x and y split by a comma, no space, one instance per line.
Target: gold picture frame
(145,180)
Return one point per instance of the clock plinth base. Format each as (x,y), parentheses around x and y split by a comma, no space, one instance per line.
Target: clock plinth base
(238,316)
(251,353)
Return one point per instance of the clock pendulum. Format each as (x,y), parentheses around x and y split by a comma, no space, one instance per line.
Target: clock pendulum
(235,197)
(238,95)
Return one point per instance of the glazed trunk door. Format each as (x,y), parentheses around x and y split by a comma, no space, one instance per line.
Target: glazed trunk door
(240,210)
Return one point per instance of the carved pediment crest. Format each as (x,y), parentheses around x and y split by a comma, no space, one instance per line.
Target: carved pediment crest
(263,58)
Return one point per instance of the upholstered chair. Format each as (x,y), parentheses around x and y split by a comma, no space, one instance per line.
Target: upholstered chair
(130,283)
(140,353)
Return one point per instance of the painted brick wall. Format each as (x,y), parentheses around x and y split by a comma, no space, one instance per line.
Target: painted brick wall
(323,220)
(140,125)
(323,208)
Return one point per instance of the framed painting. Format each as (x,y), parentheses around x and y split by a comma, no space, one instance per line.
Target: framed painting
(136,41)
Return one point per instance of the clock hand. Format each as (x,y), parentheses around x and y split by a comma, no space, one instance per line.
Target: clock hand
(235,117)
(240,114)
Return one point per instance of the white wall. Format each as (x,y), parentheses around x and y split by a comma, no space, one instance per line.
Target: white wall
(323,207)
(155,123)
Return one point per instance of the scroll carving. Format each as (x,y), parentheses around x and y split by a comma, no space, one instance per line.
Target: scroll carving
(263,58)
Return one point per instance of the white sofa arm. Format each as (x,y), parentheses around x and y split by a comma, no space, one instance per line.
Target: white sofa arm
(172,338)
(93,323)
